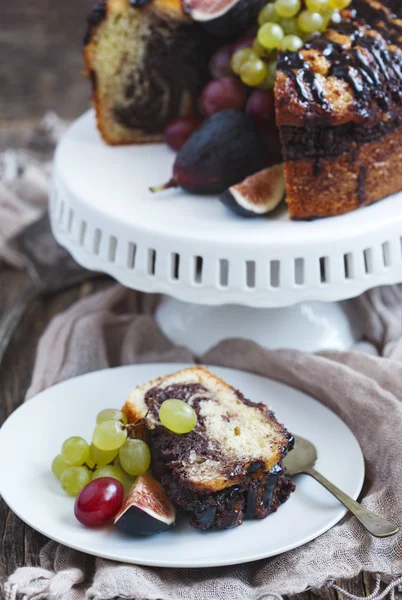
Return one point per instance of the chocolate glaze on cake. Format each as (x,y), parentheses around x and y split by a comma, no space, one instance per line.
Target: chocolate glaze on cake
(375,77)
(339,110)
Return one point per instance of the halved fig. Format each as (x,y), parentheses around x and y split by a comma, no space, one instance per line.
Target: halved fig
(258,194)
(147,509)
(206,10)
(224,17)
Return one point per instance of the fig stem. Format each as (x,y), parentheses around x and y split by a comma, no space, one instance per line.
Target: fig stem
(172,183)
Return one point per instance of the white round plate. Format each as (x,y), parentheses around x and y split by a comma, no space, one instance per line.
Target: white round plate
(42,424)
(193,248)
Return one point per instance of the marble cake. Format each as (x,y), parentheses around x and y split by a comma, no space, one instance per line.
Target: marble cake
(339,111)
(147,64)
(229,467)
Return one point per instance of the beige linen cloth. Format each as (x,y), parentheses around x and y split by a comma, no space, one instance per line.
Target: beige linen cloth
(116,327)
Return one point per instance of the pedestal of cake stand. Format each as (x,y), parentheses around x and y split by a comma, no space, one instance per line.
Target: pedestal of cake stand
(272,280)
(308,326)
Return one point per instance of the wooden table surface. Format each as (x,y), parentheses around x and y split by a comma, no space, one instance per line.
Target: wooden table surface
(41,44)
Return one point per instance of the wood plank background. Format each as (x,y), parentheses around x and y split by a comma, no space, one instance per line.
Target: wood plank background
(40,58)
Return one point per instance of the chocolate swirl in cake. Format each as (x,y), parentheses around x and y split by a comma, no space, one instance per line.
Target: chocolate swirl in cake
(229,467)
(157,87)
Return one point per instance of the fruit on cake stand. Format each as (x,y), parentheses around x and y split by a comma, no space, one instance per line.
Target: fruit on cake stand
(259,99)
(273,280)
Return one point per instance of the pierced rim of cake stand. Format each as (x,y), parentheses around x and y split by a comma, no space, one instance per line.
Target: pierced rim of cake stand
(193,248)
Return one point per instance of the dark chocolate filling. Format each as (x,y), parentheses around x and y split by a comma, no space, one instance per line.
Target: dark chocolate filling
(176,448)
(259,494)
(157,85)
(329,142)
(256,498)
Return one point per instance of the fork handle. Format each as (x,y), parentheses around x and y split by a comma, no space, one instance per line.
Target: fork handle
(375,524)
(11,319)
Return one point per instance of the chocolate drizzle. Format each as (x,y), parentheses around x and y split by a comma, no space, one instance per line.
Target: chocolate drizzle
(367,62)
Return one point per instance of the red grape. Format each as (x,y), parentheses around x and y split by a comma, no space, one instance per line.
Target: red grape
(99,501)
(246,41)
(221,94)
(219,65)
(261,108)
(180,129)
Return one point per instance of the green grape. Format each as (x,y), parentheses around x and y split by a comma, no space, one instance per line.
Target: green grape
(269,81)
(74,479)
(292,43)
(111,414)
(178,416)
(287,8)
(109,435)
(320,6)
(339,4)
(240,57)
(336,17)
(90,463)
(59,465)
(289,26)
(310,21)
(128,480)
(253,72)
(268,13)
(326,18)
(102,457)
(270,35)
(135,457)
(109,471)
(260,50)
(75,451)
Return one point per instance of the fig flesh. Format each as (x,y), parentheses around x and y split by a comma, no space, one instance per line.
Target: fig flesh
(207,10)
(258,194)
(226,148)
(147,509)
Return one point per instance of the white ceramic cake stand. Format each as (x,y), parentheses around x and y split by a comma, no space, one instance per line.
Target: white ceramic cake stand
(272,280)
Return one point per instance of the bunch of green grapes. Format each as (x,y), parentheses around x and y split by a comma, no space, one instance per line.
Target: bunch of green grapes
(112,453)
(283,25)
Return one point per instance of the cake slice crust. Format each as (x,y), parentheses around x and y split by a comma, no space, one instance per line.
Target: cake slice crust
(229,467)
(233,435)
(145,66)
